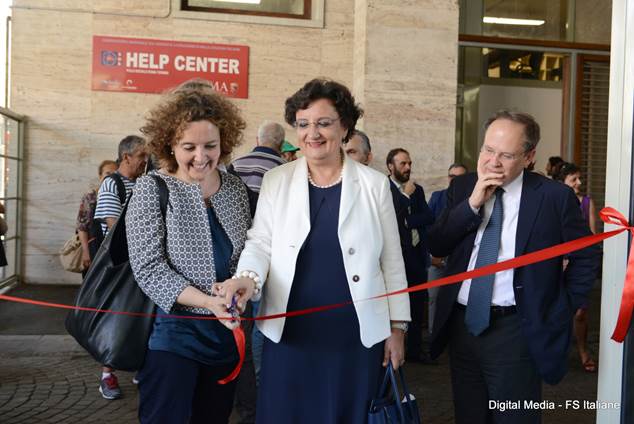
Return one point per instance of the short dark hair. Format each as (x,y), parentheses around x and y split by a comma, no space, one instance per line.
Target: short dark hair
(366,140)
(564,169)
(554,162)
(457,165)
(390,156)
(320,88)
(129,145)
(531,127)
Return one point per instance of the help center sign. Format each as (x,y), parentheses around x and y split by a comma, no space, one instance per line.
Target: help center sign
(154,66)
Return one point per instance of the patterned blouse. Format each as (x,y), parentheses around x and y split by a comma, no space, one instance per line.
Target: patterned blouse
(167,255)
(86,211)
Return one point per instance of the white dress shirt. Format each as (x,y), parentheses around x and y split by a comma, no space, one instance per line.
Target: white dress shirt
(503,294)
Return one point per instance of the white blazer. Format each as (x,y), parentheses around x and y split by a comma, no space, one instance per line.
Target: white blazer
(368,235)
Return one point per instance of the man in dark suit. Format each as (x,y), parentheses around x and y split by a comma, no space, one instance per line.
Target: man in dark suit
(508,332)
(412,215)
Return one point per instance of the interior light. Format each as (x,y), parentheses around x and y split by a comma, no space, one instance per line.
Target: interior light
(512,21)
(240,1)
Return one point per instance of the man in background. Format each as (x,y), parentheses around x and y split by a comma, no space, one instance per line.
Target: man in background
(114,191)
(358,148)
(438,202)
(412,216)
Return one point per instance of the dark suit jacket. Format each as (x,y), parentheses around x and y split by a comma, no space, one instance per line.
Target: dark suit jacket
(413,213)
(545,295)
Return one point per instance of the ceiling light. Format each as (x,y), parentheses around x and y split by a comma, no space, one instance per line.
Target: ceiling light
(240,1)
(512,21)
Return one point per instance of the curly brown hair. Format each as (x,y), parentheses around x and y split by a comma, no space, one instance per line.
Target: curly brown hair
(167,121)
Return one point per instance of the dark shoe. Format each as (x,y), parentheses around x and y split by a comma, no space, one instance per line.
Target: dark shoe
(109,387)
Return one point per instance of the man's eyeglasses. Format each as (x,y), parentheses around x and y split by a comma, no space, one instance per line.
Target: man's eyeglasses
(507,157)
(321,124)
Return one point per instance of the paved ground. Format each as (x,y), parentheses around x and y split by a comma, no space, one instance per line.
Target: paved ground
(45,377)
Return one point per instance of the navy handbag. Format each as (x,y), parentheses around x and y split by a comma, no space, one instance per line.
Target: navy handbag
(391,408)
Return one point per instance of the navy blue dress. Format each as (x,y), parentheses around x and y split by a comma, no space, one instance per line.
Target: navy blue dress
(319,372)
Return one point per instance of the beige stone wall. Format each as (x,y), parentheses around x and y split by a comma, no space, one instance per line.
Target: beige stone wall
(399,58)
(408,83)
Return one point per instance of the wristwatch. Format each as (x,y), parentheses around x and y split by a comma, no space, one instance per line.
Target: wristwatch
(400,325)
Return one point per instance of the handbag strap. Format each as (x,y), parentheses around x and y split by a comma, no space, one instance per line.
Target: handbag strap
(121,190)
(406,392)
(163,193)
(397,399)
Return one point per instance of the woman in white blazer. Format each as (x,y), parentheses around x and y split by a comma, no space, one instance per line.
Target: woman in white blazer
(325,232)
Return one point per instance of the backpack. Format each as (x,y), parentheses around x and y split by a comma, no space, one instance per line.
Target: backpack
(116,340)
(95,232)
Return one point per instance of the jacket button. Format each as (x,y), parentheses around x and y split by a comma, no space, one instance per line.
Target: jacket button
(351,251)
(355,278)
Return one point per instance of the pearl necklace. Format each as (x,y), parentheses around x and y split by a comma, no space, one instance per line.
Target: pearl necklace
(337,181)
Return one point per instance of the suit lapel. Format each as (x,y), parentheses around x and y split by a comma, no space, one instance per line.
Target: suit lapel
(530,203)
(298,201)
(349,189)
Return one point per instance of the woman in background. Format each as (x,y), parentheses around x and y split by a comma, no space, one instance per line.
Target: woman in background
(570,174)
(87,214)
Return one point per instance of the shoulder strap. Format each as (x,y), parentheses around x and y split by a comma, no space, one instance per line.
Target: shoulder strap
(121,191)
(163,193)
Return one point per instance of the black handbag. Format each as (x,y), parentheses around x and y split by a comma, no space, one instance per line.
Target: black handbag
(391,408)
(115,340)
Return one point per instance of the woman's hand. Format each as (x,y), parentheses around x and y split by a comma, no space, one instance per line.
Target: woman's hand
(218,306)
(395,349)
(85,259)
(242,288)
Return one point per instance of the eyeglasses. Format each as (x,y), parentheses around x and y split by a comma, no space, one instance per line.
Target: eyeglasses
(321,124)
(505,157)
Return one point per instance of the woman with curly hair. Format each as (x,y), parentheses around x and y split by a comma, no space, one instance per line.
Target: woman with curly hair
(177,258)
(324,233)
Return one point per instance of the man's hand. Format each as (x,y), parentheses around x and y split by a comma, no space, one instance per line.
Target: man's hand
(409,187)
(437,262)
(487,182)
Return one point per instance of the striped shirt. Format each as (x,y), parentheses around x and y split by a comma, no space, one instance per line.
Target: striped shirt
(252,167)
(108,202)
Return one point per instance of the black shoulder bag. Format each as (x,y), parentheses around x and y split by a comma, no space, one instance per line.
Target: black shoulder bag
(116,340)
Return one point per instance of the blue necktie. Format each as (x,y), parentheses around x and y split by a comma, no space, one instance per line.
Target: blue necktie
(479,305)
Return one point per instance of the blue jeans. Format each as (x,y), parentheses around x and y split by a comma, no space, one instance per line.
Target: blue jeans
(257,343)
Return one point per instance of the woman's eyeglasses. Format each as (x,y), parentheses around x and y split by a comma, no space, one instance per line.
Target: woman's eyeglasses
(321,124)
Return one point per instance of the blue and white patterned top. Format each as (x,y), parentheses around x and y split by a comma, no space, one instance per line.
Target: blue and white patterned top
(168,255)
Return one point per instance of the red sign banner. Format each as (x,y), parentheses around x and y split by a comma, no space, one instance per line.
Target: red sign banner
(153,66)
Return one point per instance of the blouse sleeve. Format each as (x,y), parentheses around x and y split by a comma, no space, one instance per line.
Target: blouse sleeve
(146,231)
(86,211)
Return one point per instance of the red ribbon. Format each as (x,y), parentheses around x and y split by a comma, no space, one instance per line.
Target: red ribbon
(238,336)
(607,214)
(612,216)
